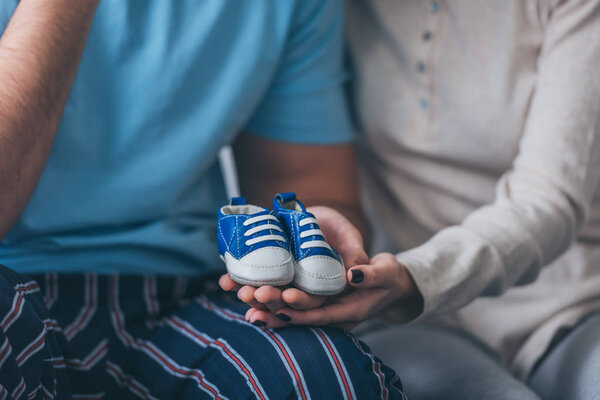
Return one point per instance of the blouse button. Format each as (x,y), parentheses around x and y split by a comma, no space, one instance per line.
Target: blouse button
(434,7)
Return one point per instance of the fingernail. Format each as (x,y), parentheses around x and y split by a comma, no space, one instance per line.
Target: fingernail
(283,317)
(357,276)
(258,322)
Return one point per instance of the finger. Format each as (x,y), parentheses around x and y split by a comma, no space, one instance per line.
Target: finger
(327,315)
(228,284)
(341,234)
(382,272)
(249,313)
(300,300)
(246,294)
(353,256)
(270,296)
(266,319)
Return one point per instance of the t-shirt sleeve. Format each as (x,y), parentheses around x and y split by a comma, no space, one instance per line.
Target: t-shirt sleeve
(305,102)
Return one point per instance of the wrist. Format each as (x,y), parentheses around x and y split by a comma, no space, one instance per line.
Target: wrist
(411,299)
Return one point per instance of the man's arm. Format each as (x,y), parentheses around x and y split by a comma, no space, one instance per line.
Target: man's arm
(320,175)
(39,55)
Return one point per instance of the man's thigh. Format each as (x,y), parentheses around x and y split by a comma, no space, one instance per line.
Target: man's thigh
(571,370)
(435,364)
(205,348)
(30,342)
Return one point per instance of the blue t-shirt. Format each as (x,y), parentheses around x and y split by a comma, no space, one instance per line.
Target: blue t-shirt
(132,183)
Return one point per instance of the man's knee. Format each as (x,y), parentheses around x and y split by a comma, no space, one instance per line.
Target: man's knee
(340,366)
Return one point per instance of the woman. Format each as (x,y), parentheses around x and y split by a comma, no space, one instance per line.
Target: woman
(481,144)
(482,125)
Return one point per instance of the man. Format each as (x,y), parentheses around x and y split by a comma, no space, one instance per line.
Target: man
(110,185)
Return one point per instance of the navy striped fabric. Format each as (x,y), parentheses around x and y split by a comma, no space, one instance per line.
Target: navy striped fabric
(128,337)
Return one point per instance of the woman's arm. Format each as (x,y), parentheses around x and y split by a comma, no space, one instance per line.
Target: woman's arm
(39,54)
(542,202)
(540,207)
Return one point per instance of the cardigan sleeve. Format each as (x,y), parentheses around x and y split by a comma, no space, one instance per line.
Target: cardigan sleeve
(542,202)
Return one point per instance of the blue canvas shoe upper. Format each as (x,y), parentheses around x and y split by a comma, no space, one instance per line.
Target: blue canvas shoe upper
(243,228)
(306,238)
(252,242)
(319,268)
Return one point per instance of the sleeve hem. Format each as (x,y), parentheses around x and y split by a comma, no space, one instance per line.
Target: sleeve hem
(416,266)
(283,133)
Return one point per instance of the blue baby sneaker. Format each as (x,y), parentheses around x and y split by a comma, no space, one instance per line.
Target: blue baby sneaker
(318,268)
(253,245)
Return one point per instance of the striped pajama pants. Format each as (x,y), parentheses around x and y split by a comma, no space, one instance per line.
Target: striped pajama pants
(87,336)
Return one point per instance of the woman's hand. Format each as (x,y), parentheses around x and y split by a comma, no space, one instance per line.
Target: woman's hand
(339,233)
(381,283)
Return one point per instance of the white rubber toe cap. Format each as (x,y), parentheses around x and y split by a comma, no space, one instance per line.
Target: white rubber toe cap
(265,266)
(320,275)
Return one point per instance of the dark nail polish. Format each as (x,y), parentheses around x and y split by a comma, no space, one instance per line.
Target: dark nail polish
(258,322)
(283,317)
(357,276)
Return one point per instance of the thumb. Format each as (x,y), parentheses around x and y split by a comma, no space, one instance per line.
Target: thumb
(383,271)
(354,255)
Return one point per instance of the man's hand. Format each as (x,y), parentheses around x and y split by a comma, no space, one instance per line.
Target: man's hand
(340,234)
(381,283)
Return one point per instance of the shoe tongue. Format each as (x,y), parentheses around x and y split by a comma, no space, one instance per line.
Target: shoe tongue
(260,211)
(301,206)
(289,201)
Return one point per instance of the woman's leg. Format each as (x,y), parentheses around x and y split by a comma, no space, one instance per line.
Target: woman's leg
(571,370)
(435,363)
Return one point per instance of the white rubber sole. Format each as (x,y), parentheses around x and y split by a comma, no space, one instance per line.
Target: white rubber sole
(244,274)
(319,285)
(319,292)
(283,274)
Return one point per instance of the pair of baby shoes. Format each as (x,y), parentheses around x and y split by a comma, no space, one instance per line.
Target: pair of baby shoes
(285,245)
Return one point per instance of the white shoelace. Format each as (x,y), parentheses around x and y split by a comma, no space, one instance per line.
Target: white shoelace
(263,227)
(312,232)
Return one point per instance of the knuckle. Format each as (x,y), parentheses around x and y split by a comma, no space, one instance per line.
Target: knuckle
(273,304)
(295,303)
(256,304)
(388,257)
(299,303)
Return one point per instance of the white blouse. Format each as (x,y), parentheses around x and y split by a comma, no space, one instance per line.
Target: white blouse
(481,138)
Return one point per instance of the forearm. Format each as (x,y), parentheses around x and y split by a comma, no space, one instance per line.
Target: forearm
(39,55)
(535,218)
(320,175)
